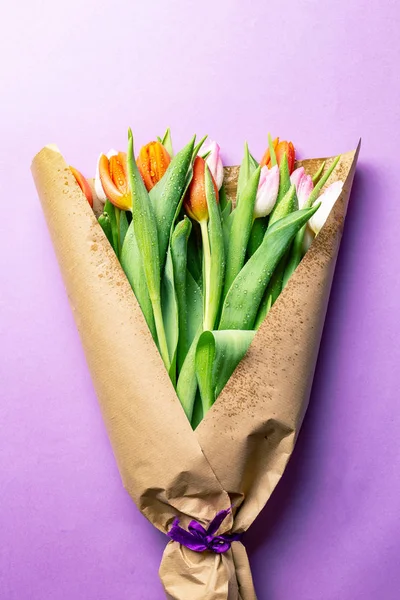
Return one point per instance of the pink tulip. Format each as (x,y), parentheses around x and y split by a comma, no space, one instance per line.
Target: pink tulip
(267,191)
(214,162)
(327,199)
(304,185)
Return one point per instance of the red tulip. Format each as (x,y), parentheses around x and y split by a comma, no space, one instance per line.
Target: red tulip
(280,148)
(114,179)
(152,162)
(195,202)
(83,184)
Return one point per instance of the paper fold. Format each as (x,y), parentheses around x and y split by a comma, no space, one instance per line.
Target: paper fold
(239,451)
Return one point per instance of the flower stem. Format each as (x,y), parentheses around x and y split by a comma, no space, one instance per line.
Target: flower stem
(207,324)
(162,339)
(118,226)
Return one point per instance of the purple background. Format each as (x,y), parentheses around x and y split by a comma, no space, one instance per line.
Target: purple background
(320,73)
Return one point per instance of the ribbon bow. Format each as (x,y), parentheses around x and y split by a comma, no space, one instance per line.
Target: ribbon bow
(199,539)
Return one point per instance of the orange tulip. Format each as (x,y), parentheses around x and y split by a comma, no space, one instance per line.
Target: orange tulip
(83,184)
(280,148)
(195,202)
(152,162)
(114,179)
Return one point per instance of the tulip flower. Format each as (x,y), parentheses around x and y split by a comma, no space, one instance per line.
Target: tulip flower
(327,200)
(152,162)
(280,148)
(114,180)
(98,188)
(214,162)
(83,184)
(195,203)
(304,185)
(267,192)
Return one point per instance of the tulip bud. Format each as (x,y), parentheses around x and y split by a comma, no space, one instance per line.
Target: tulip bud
(83,184)
(280,149)
(304,185)
(288,149)
(214,162)
(195,202)
(266,159)
(114,180)
(267,192)
(327,199)
(152,162)
(98,188)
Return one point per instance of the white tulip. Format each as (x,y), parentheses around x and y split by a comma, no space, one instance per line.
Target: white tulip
(327,199)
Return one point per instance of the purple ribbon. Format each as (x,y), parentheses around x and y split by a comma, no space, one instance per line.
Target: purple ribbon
(199,539)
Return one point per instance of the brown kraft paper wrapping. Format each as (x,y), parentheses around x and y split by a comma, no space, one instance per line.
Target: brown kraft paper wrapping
(238,453)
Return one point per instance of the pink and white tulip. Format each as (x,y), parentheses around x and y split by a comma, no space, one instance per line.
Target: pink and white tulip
(327,199)
(214,162)
(267,191)
(98,186)
(304,185)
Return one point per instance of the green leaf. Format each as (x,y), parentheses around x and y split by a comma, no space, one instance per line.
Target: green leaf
(287,205)
(178,245)
(196,149)
(167,194)
(167,142)
(223,198)
(264,309)
(109,212)
(242,222)
(295,255)
(123,224)
(170,313)
(105,224)
(217,355)
(195,254)
(131,262)
(197,411)
(257,234)
(244,297)
(145,227)
(187,383)
(247,168)
(194,307)
(212,286)
(284,186)
(318,174)
(227,218)
(274,288)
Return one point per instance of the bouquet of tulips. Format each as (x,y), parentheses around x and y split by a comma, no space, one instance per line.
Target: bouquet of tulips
(201,287)
(206,268)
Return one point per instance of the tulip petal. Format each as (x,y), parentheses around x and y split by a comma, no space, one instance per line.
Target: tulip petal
(83,184)
(267,191)
(214,162)
(119,199)
(327,200)
(98,188)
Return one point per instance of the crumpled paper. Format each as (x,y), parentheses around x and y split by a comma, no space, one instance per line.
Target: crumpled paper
(238,453)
